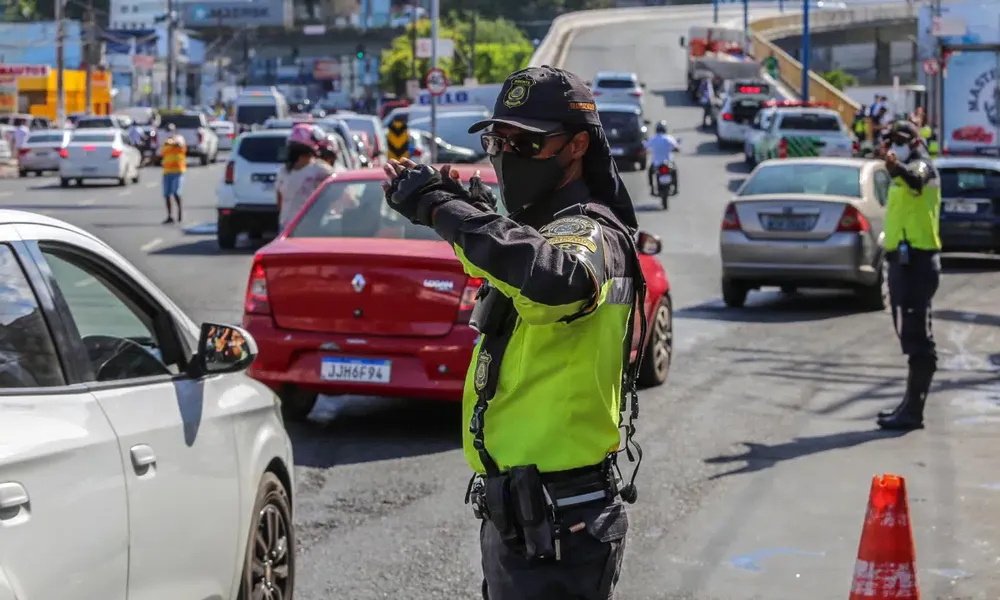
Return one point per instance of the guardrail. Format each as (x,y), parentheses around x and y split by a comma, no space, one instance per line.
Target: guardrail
(790,70)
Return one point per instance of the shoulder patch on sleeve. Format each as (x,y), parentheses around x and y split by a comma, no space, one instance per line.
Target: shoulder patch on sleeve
(572,234)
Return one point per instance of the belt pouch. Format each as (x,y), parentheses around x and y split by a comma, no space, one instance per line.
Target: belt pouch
(492,311)
(498,507)
(532,511)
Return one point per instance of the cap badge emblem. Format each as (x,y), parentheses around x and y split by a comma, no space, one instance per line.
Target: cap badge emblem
(518,92)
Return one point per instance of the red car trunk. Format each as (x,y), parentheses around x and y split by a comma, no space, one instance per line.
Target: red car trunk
(377,287)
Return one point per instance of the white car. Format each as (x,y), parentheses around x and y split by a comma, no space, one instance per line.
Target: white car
(225,131)
(617,88)
(138,460)
(247,199)
(99,154)
(736,117)
(40,152)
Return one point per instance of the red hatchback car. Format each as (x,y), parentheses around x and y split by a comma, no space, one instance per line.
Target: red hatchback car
(354,299)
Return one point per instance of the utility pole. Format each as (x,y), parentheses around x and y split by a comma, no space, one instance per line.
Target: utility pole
(246,57)
(746,24)
(938,97)
(91,55)
(715,11)
(60,65)
(171,75)
(133,73)
(413,40)
(806,51)
(435,17)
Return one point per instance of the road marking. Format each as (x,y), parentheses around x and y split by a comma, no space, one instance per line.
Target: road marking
(150,185)
(124,192)
(5,194)
(148,246)
(87,202)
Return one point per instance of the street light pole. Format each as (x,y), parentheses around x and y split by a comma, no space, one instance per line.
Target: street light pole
(806,51)
(60,64)
(715,11)
(170,55)
(746,21)
(435,17)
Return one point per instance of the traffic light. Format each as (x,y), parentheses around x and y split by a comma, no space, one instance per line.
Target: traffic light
(361,51)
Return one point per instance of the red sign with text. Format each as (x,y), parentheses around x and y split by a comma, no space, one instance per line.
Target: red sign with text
(24,70)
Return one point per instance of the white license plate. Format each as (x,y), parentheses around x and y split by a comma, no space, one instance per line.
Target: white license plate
(359,370)
(666,178)
(966,208)
(617,152)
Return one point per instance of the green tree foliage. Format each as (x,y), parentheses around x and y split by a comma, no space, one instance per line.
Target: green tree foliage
(500,49)
(840,79)
(45,10)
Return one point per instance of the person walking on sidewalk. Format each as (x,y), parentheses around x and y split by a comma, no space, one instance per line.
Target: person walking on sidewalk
(174,166)
(913,248)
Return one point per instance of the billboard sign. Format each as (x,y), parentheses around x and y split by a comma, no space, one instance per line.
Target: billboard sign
(237,13)
(23,70)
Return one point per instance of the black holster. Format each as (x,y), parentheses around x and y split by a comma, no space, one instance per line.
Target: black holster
(499,508)
(492,313)
(534,512)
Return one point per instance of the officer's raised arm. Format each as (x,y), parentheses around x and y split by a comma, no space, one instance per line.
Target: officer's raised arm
(552,274)
(912,165)
(916,174)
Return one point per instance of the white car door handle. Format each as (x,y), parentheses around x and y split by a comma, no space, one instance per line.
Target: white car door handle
(142,458)
(12,495)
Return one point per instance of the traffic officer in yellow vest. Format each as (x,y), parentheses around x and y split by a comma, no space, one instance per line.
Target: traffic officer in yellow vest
(913,246)
(927,134)
(551,373)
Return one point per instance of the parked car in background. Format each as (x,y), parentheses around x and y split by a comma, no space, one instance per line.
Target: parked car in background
(40,152)
(246,198)
(99,154)
(453,127)
(373,130)
(125,422)
(970,203)
(310,329)
(446,153)
(226,132)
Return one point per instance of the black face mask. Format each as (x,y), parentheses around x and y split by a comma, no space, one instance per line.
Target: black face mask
(524,181)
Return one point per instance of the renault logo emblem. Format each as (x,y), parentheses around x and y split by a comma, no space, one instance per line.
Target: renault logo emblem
(358,283)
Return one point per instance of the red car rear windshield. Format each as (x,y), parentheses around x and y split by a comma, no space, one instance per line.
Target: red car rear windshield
(356,209)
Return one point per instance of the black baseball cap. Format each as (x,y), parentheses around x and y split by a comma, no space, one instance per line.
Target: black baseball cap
(541,100)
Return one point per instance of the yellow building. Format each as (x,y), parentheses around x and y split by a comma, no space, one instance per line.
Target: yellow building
(40,93)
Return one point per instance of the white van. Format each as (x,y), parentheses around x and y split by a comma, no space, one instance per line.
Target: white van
(253,107)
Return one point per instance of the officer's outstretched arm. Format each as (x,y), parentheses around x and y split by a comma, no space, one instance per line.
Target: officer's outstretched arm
(916,174)
(556,274)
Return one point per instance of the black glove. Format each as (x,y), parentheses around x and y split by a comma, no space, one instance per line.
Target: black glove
(415,193)
(479,194)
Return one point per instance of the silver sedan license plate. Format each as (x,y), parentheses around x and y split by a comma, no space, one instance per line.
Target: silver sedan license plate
(788,222)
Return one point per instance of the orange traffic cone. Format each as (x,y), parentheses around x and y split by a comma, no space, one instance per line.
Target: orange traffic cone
(886,566)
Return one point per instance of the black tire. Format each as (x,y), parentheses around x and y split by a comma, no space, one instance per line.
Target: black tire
(63,182)
(643,164)
(136,178)
(734,293)
(225,235)
(122,181)
(79,182)
(275,559)
(664,194)
(659,349)
(296,404)
(876,297)
(789,290)
(203,159)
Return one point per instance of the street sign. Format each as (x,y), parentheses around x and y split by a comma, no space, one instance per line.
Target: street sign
(446,48)
(398,137)
(948,27)
(931,67)
(24,70)
(436,82)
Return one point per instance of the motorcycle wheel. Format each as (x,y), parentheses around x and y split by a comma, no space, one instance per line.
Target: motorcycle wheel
(665,198)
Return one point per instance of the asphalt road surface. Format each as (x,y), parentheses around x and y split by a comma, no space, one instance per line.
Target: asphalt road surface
(759,450)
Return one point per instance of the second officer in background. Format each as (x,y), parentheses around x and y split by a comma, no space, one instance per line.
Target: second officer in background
(913,247)
(544,393)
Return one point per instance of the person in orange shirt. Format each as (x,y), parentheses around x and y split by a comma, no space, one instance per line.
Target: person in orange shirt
(174,166)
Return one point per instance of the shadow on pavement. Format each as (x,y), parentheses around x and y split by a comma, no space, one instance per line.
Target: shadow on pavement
(758,457)
(972,318)
(38,207)
(970,263)
(674,98)
(351,430)
(738,167)
(734,184)
(775,307)
(710,148)
(209,247)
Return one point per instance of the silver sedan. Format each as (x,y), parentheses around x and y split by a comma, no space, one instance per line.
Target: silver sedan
(801,223)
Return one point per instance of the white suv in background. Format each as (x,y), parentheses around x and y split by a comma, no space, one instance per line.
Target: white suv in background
(618,88)
(247,199)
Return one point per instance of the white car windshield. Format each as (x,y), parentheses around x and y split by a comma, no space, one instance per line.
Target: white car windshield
(811,179)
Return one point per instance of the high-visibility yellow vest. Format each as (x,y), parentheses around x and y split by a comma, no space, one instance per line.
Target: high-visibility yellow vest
(913,216)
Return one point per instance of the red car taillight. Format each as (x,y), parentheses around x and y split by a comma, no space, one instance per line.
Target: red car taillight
(852,221)
(115,153)
(727,116)
(230,168)
(783,149)
(201,137)
(636,93)
(256,302)
(468,301)
(63,153)
(23,151)
(731,220)
(417,153)
(231,134)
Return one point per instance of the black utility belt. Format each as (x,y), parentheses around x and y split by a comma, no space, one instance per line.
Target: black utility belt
(525,505)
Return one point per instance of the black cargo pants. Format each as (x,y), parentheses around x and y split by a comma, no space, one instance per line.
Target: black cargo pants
(911,289)
(592,548)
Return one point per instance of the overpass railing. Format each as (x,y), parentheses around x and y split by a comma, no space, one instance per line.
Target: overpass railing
(790,70)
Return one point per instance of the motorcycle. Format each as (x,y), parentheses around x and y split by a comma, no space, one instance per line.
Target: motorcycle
(147,147)
(666,184)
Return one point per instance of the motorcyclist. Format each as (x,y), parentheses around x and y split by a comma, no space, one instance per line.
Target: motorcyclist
(662,145)
(302,172)
(327,151)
